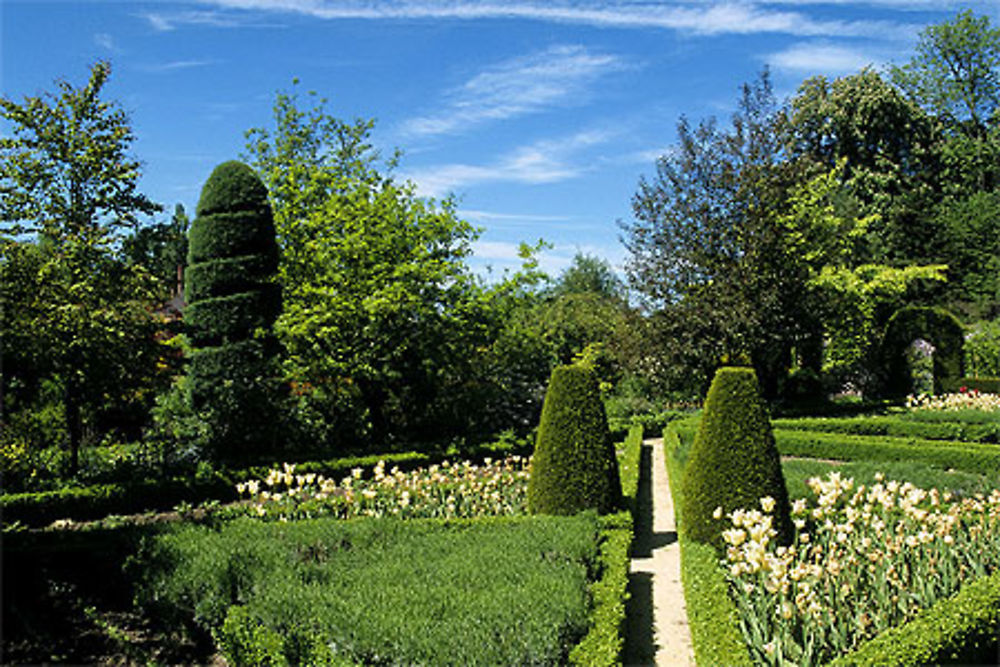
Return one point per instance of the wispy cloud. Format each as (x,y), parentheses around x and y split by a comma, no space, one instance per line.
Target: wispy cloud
(174,65)
(105,41)
(820,58)
(557,76)
(547,161)
(510,219)
(164,21)
(702,18)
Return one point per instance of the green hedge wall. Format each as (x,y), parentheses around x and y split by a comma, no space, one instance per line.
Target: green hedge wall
(226,276)
(215,322)
(897,427)
(235,234)
(987,385)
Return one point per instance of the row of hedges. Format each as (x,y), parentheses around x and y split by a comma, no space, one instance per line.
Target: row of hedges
(896,427)
(987,385)
(629,462)
(95,502)
(983,459)
(603,643)
(970,457)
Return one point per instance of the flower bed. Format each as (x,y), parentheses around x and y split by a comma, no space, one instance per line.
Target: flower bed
(460,490)
(865,559)
(970,399)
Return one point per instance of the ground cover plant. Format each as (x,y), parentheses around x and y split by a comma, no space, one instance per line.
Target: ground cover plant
(505,591)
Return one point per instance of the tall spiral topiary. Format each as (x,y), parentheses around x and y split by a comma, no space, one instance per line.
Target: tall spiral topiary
(574,466)
(734,461)
(233,301)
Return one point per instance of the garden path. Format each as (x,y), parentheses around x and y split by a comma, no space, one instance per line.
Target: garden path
(657,630)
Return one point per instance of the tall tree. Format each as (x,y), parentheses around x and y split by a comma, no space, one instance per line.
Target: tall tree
(704,243)
(161,248)
(68,182)
(381,312)
(955,73)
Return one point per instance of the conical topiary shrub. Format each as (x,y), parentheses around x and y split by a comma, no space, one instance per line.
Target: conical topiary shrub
(734,461)
(574,466)
(233,301)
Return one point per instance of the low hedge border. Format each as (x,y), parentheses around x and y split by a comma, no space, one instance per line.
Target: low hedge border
(983,459)
(896,427)
(603,644)
(628,467)
(987,385)
(651,423)
(88,503)
(962,629)
(712,616)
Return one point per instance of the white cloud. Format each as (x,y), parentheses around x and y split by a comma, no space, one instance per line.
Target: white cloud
(511,219)
(547,161)
(105,41)
(703,18)
(167,21)
(557,76)
(174,65)
(820,58)
(503,255)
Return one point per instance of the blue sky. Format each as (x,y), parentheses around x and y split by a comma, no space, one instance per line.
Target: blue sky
(540,117)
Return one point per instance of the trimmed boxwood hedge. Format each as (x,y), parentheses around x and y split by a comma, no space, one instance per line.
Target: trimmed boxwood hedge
(232,234)
(987,385)
(239,398)
(234,318)
(734,462)
(897,427)
(224,277)
(712,615)
(960,630)
(574,466)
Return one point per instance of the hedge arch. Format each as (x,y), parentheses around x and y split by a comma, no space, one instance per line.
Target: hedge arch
(935,325)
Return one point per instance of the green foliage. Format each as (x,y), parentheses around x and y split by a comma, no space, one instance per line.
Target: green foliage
(970,457)
(74,315)
(936,325)
(232,372)
(734,462)
(901,426)
(982,350)
(428,592)
(574,467)
(712,616)
(390,337)
(958,630)
(629,465)
(602,645)
(161,248)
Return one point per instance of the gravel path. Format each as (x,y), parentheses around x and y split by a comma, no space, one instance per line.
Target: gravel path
(657,629)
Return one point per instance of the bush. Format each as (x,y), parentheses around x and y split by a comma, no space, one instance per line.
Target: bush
(986,385)
(936,325)
(574,466)
(898,427)
(232,375)
(734,461)
(982,351)
(629,465)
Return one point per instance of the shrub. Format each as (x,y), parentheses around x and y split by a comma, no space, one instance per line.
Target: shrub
(936,325)
(982,350)
(233,302)
(574,466)
(734,462)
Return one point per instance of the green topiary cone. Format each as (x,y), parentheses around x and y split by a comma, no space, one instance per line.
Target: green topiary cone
(733,462)
(574,466)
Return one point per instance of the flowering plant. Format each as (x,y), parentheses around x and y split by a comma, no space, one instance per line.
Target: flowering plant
(863,560)
(970,399)
(446,490)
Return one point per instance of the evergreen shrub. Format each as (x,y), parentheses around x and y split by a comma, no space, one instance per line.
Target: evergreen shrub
(574,466)
(936,325)
(233,302)
(734,461)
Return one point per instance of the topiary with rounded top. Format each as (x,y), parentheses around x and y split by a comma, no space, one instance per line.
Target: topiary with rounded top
(574,466)
(734,461)
(233,301)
